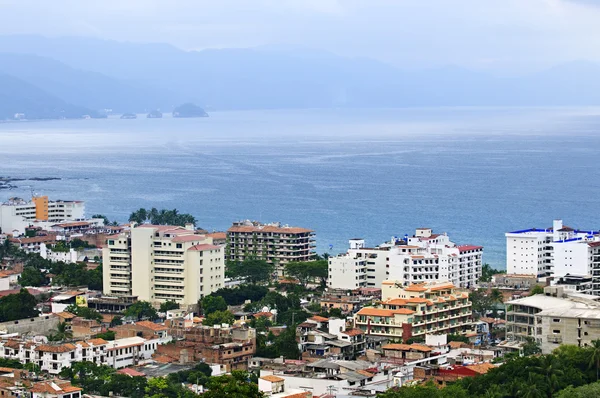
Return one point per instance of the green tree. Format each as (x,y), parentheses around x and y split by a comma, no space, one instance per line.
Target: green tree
(308,271)
(236,385)
(252,270)
(18,306)
(116,321)
(537,289)
(61,333)
(212,303)
(109,335)
(140,310)
(218,317)
(95,279)
(32,277)
(84,312)
(588,391)
(594,357)
(168,305)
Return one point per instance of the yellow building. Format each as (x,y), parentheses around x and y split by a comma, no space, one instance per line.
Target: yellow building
(158,263)
(417,310)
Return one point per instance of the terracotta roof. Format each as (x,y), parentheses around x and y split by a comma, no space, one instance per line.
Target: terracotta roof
(365,373)
(204,246)
(269,228)
(217,235)
(395,301)
(263,314)
(130,372)
(35,239)
(66,315)
(97,342)
(46,387)
(151,325)
(370,311)
(272,378)
(318,318)
(306,394)
(82,343)
(55,348)
(594,244)
(73,224)
(415,288)
(457,344)
(353,332)
(188,238)
(442,287)
(407,347)
(417,300)
(164,359)
(466,248)
(481,368)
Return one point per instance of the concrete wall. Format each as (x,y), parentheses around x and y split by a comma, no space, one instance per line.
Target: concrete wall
(35,326)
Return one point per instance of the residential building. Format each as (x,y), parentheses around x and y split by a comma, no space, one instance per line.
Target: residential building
(275,243)
(553,318)
(55,389)
(158,263)
(417,310)
(52,358)
(424,257)
(274,387)
(17,214)
(555,251)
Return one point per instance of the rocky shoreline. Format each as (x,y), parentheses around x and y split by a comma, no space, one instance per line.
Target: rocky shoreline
(6,182)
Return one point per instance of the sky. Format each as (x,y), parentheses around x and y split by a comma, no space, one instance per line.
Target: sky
(501,36)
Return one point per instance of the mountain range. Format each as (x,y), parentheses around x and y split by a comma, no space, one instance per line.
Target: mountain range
(131,77)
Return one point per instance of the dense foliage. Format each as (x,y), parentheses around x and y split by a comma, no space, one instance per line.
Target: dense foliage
(218,318)
(236,385)
(18,306)
(161,217)
(141,310)
(84,312)
(238,295)
(252,270)
(528,376)
(168,305)
(308,271)
(212,303)
(487,272)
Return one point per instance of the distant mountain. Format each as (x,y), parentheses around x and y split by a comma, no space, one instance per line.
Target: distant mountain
(20,97)
(91,89)
(276,77)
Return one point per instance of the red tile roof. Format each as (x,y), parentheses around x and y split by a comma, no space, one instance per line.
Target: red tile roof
(465,248)
(130,372)
(152,326)
(203,247)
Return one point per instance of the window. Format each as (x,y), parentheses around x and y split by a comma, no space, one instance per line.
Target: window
(556,331)
(556,320)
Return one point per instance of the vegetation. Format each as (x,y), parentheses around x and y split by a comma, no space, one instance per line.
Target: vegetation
(210,304)
(18,306)
(102,380)
(487,272)
(537,289)
(168,305)
(189,110)
(271,346)
(484,302)
(84,312)
(570,371)
(161,217)
(141,310)
(109,335)
(32,277)
(218,317)
(238,295)
(308,271)
(252,270)
(106,220)
(236,385)
(199,374)
(61,333)
(10,363)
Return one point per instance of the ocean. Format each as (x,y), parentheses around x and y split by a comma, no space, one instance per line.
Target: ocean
(474,173)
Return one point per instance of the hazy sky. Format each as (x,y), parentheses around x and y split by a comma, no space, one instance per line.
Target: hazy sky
(502,35)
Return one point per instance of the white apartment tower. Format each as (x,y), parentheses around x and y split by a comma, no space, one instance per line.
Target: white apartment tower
(17,214)
(557,251)
(158,263)
(424,257)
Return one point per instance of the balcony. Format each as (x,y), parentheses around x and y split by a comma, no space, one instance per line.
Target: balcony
(554,339)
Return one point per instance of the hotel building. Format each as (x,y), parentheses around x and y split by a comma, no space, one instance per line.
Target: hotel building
(417,310)
(158,263)
(424,257)
(17,214)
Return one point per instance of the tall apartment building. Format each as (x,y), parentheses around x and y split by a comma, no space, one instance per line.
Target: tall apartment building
(17,214)
(158,263)
(554,318)
(424,257)
(275,243)
(557,251)
(417,310)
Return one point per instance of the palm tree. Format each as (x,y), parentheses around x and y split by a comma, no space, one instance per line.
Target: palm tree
(594,356)
(493,392)
(61,333)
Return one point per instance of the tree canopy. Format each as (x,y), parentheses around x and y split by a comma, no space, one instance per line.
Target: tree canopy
(308,271)
(140,310)
(212,304)
(84,312)
(18,306)
(162,217)
(168,305)
(236,385)
(218,317)
(252,270)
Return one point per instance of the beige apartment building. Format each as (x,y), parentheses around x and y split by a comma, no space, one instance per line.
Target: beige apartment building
(554,318)
(417,310)
(158,263)
(273,243)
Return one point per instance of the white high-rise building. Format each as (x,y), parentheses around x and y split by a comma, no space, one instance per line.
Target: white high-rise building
(17,214)
(555,251)
(158,263)
(424,257)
